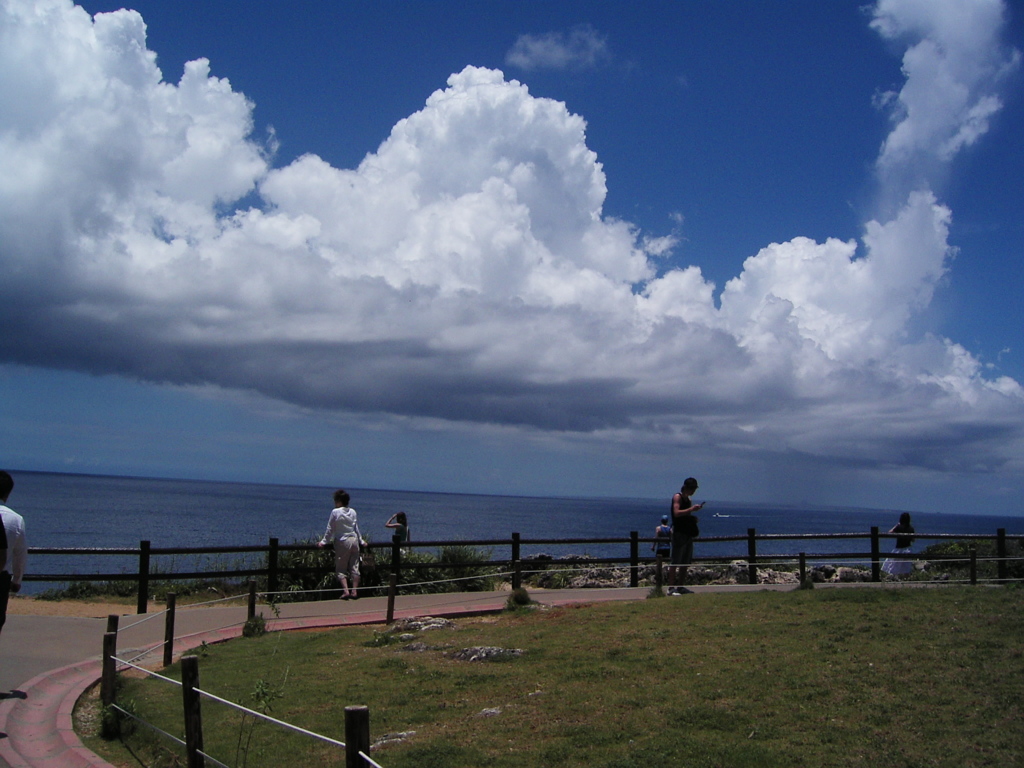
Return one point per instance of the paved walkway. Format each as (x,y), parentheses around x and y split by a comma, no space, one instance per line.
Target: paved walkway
(49,662)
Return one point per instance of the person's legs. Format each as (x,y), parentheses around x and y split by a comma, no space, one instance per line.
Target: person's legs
(353,569)
(686,557)
(673,571)
(347,565)
(5,594)
(342,556)
(682,556)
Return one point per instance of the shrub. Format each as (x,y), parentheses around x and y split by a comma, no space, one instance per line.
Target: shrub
(518,598)
(459,561)
(953,557)
(115,724)
(255,627)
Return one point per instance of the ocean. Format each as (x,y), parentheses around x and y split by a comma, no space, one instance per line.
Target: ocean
(70,510)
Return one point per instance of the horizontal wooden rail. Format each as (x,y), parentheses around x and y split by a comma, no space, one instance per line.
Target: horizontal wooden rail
(390,557)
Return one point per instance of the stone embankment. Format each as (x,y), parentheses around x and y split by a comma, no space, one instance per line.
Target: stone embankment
(550,572)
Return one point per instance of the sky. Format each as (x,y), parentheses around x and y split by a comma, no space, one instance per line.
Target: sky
(531,248)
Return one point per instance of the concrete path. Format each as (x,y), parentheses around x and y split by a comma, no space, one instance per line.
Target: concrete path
(47,663)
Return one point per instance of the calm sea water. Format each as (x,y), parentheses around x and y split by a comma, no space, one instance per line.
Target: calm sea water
(64,510)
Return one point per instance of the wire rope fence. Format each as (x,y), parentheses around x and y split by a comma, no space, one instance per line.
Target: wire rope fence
(1005,566)
(356,746)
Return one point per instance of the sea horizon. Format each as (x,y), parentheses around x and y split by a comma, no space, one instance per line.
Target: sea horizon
(79,510)
(732,503)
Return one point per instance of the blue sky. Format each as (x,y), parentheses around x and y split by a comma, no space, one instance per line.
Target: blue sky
(532,248)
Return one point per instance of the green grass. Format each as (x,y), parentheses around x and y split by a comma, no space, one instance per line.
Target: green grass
(841,677)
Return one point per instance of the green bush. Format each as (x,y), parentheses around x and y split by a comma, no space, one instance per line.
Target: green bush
(115,724)
(459,561)
(85,590)
(255,627)
(304,571)
(519,598)
(953,557)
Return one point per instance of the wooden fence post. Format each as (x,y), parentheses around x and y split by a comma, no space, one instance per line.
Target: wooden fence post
(974,565)
(112,621)
(803,567)
(143,603)
(357,736)
(752,555)
(193,712)
(876,565)
(251,612)
(1002,571)
(634,559)
(658,575)
(396,557)
(272,568)
(172,599)
(108,680)
(517,573)
(392,591)
(392,585)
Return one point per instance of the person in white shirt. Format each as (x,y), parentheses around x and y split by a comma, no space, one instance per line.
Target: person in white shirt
(343,532)
(13,547)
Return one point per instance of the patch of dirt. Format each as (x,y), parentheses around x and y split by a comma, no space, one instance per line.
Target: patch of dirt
(88,712)
(30,606)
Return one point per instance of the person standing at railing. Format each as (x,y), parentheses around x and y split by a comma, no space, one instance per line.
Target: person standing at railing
(13,547)
(904,539)
(684,531)
(399,523)
(343,532)
(662,545)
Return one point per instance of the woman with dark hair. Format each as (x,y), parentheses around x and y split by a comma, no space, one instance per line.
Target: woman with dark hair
(399,523)
(343,533)
(904,531)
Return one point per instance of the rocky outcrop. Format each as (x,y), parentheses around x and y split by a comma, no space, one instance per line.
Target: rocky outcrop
(485,653)
(421,624)
(550,572)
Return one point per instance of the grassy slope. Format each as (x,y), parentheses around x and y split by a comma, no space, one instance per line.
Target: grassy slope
(854,677)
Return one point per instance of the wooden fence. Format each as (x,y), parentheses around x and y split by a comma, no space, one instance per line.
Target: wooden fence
(271,570)
(357,718)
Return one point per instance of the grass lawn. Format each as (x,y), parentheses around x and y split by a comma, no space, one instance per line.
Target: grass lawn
(826,677)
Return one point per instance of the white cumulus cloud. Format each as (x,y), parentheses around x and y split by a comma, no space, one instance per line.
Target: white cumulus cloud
(953,66)
(464,271)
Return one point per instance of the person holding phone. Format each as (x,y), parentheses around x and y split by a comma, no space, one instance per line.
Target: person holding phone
(684,531)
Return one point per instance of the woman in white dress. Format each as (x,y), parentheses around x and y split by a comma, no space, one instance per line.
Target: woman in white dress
(904,531)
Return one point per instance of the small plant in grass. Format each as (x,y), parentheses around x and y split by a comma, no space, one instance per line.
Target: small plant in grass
(115,724)
(518,599)
(380,639)
(255,627)
(263,696)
